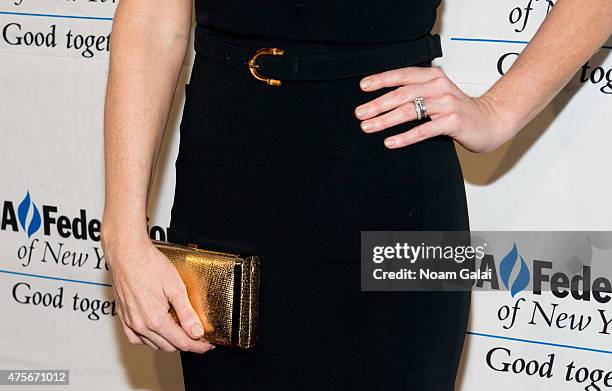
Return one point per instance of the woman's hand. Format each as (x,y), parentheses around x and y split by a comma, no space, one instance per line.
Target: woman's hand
(145,283)
(476,123)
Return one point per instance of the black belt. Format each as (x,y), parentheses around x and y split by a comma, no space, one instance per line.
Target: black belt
(273,64)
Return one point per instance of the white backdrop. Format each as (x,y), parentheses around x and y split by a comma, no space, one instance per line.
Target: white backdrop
(553,175)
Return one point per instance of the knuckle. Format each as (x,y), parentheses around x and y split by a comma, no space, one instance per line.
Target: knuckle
(177,290)
(139,327)
(381,78)
(437,71)
(448,100)
(403,139)
(420,132)
(404,74)
(374,107)
(183,345)
(128,323)
(134,340)
(448,83)
(407,110)
(442,82)
(189,316)
(129,333)
(404,95)
(454,118)
(151,345)
(153,322)
(126,320)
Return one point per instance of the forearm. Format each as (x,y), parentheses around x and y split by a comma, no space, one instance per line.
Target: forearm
(145,62)
(570,35)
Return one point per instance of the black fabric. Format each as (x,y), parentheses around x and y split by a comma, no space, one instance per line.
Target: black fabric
(339,22)
(319,331)
(287,174)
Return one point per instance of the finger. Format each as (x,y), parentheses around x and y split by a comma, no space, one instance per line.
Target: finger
(131,336)
(151,334)
(405,113)
(401,96)
(163,331)
(119,300)
(172,332)
(400,77)
(419,133)
(145,326)
(189,319)
(142,338)
(149,343)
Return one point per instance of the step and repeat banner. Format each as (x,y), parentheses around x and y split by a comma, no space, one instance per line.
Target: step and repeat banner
(57,307)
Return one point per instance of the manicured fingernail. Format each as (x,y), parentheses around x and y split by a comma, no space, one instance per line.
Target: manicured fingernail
(361,111)
(197,331)
(390,142)
(367,125)
(365,83)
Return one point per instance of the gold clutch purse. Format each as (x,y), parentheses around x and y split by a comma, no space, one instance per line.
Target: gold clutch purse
(223,289)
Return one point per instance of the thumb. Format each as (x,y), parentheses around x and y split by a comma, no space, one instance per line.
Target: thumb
(187,316)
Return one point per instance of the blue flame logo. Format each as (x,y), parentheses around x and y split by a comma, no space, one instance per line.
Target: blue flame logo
(505,269)
(22,213)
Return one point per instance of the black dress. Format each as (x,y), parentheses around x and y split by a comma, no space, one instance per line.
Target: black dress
(286,173)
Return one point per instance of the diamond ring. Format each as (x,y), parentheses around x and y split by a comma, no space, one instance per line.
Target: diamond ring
(419,105)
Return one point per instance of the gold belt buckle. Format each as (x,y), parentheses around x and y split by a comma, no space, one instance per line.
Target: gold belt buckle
(253,64)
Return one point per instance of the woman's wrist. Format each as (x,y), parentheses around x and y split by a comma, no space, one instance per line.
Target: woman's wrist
(507,116)
(121,228)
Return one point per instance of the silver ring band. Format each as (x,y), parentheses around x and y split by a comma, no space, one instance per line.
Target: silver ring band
(419,105)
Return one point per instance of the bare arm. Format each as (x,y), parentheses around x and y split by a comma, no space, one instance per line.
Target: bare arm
(572,32)
(570,35)
(147,52)
(149,43)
